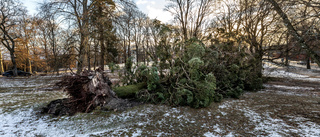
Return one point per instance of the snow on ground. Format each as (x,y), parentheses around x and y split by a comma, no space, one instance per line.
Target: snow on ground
(32,82)
(265,124)
(272,70)
(288,87)
(18,114)
(27,123)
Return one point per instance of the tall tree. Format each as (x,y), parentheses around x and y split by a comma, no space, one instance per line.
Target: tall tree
(49,33)
(257,20)
(11,12)
(44,40)
(138,25)
(26,29)
(101,17)
(76,12)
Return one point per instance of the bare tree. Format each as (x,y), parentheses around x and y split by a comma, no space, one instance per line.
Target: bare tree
(245,23)
(124,29)
(138,32)
(26,30)
(77,12)
(43,39)
(10,15)
(294,32)
(191,15)
(50,31)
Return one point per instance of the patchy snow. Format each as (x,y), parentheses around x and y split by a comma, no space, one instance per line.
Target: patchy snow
(282,73)
(230,135)
(24,122)
(288,87)
(290,90)
(137,133)
(209,134)
(264,123)
(217,129)
(276,71)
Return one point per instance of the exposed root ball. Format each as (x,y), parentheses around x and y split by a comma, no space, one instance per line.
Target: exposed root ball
(87,91)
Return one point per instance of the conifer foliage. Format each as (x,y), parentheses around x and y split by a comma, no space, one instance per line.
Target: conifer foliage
(196,75)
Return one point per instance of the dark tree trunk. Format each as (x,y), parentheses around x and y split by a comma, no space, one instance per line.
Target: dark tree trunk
(125,51)
(14,63)
(308,63)
(137,54)
(1,63)
(83,24)
(95,54)
(103,50)
(287,51)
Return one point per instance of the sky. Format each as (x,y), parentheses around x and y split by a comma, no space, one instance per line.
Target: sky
(153,8)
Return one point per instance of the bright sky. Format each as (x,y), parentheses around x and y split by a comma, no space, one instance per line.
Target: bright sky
(153,8)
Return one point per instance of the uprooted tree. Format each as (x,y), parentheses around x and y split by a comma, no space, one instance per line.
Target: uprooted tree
(87,91)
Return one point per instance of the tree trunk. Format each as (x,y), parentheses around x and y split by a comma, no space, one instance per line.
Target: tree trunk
(14,63)
(308,62)
(137,54)
(129,50)
(103,49)
(81,55)
(144,55)
(56,65)
(95,54)
(287,51)
(46,54)
(88,57)
(83,24)
(125,51)
(129,41)
(1,63)
(29,65)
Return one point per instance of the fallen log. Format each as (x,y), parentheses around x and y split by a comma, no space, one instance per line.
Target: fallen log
(129,91)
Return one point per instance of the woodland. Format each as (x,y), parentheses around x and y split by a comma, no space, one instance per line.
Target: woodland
(212,49)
